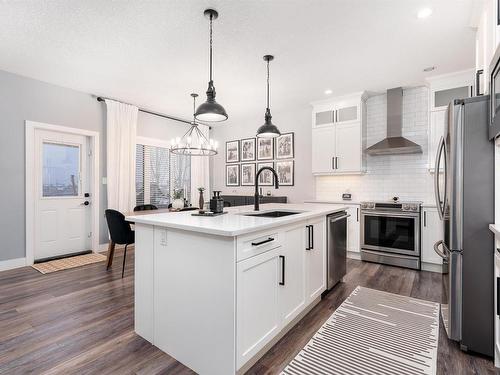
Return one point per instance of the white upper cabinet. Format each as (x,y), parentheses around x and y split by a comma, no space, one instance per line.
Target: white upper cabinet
(487,40)
(338,135)
(442,91)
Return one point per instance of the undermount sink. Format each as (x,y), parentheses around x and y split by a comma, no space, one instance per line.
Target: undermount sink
(273,213)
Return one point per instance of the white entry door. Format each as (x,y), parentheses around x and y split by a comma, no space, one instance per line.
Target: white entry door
(62,203)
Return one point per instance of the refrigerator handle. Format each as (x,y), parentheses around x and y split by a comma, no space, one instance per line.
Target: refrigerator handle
(440,150)
(439,252)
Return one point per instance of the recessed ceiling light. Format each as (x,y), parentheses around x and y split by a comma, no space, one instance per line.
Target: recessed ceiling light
(429,69)
(328,92)
(424,13)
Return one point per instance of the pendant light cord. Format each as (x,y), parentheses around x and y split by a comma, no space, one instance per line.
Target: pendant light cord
(267,83)
(211,16)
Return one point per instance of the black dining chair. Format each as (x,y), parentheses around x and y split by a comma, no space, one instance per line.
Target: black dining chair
(120,232)
(145,207)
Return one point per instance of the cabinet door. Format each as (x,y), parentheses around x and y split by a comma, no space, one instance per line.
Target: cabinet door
(432,231)
(292,267)
(438,122)
(258,317)
(348,147)
(347,113)
(315,251)
(353,241)
(323,149)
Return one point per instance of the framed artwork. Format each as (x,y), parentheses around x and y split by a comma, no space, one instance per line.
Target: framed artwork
(232,151)
(285,171)
(266,178)
(265,149)
(248,174)
(233,175)
(248,149)
(285,146)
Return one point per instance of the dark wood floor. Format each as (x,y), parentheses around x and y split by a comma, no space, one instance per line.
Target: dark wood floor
(80,321)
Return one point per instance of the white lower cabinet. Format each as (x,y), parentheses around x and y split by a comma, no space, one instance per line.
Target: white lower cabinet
(274,287)
(258,310)
(315,258)
(353,229)
(432,231)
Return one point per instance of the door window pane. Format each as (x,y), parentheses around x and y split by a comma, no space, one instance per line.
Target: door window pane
(61,170)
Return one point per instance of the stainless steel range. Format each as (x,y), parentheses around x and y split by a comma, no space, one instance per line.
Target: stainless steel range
(390,233)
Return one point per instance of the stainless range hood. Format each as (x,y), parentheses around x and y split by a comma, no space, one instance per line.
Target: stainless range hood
(394,143)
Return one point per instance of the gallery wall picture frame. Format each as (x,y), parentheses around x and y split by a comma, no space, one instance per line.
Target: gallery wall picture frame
(248,149)
(232,175)
(285,146)
(285,169)
(266,178)
(247,174)
(233,151)
(265,149)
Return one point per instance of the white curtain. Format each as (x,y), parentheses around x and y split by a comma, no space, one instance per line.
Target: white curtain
(121,130)
(200,176)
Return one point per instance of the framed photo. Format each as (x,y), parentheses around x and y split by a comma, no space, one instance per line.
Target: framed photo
(233,175)
(248,149)
(285,146)
(248,174)
(232,151)
(266,178)
(285,171)
(265,149)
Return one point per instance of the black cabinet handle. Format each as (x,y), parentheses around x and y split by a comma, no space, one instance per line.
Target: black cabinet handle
(333,162)
(312,236)
(498,295)
(282,282)
(262,242)
(357,214)
(308,247)
(478,82)
(425,218)
(336,162)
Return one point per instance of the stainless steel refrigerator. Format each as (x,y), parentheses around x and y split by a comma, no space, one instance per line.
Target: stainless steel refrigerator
(464,189)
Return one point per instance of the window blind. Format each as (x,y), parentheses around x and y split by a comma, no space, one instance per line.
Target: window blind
(158,173)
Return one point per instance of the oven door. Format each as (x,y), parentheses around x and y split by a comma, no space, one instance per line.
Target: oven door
(391,232)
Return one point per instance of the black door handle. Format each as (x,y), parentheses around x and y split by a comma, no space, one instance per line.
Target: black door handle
(262,242)
(312,236)
(425,218)
(282,282)
(498,295)
(86,203)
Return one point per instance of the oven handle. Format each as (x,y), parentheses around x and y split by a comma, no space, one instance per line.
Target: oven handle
(392,214)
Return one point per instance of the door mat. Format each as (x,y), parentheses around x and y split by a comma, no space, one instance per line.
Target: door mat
(67,263)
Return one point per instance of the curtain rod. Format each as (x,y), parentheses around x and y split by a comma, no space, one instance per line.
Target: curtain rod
(102,99)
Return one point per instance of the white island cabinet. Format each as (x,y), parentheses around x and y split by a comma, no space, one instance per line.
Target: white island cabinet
(216,293)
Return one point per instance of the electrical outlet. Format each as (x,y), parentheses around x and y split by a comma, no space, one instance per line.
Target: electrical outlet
(163,238)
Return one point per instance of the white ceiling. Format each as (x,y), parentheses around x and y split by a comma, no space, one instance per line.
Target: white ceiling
(154,53)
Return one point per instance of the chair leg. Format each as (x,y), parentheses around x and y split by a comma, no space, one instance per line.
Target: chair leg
(111,254)
(124,257)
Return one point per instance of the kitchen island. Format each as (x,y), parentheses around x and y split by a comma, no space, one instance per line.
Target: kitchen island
(216,293)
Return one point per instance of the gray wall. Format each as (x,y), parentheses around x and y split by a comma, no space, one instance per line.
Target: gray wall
(23,99)
(297,120)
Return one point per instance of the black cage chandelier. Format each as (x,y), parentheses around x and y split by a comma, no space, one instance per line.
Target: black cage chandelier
(194,142)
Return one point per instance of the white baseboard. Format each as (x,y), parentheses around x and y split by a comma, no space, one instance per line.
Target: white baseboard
(354,255)
(432,267)
(12,263)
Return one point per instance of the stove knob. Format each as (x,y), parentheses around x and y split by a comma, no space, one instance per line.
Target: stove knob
(414,207)
(406,207)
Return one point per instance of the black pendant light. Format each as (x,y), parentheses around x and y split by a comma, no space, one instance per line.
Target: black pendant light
(211,111)
(268,130)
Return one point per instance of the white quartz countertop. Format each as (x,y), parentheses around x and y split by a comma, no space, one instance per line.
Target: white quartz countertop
(234,223)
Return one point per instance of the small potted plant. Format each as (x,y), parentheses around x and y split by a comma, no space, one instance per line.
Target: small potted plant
(201,202)
(178,202)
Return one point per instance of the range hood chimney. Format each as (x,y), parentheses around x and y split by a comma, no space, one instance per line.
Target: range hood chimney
(394,142)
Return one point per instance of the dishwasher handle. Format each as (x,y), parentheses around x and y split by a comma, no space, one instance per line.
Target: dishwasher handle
(333,220)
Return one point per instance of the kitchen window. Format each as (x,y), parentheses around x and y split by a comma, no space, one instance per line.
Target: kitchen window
(159,173)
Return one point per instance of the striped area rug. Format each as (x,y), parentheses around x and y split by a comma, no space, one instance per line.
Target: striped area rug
(67,263)
(373,332)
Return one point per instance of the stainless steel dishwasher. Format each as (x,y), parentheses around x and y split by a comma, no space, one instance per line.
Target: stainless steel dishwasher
(336,248)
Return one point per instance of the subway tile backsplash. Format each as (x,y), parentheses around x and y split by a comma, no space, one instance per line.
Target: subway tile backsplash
(405,176)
